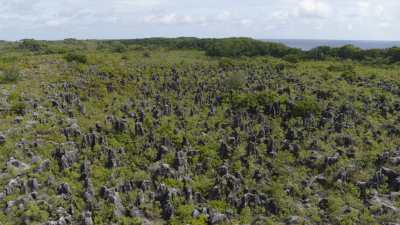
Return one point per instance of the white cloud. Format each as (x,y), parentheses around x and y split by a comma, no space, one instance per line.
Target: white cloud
(224,16)
(384,24)
(314,8)
(350,27)
(246,22)
(173,19)
(131,18)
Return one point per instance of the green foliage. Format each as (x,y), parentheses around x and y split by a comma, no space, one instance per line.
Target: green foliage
(234,81)
(33,45)
(257,108)
(234,47)
(226,63)
(146,54)
(76,57)
(130,221)
(350,76)
(118,47)
(18,108)
(238,47)
(256,102)
(306,106)
(184,216)
(246,216)
(341,68)
(394,54)
(219,205)
(292,58)
(202,183)
(349,52)
(10,75)
(36,214)
(320,53)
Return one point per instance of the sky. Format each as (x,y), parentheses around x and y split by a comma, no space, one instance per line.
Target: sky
(262,19)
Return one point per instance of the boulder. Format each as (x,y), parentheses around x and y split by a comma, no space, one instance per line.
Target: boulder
(64,189)
(217,218)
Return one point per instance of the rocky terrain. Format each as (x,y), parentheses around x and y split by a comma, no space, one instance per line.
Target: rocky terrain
(144,136)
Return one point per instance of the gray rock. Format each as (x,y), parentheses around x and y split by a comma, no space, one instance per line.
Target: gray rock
(162,150)
(136,213)
(113,197)
(19,119)
(72,131)
(88,218)
(120,125)
(64,189)
(168,210)
(181,161)
(139,129)
(271,149)
(42,167)
(145,185)
(196,213)
(112,161)
(91,139)
(251,148)
(33,184)
(13,163)
(225,151)
(217,218)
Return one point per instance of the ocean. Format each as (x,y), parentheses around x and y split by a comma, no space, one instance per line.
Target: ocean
(307,44)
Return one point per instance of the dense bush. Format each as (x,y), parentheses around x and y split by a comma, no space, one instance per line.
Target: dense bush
(306,106)
(256,102)
(319,53)
(226,63)
(234,81)
(235,47)
(76,57)
(152,136)
(18,108)
(394,54)
(10,74)
(119,47)
(33,45)
(225,47)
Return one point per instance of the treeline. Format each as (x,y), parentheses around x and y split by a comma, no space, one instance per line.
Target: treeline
(390,55)
(225,47)
(236,47)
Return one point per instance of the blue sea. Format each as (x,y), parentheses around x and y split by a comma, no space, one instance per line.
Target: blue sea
(307,44)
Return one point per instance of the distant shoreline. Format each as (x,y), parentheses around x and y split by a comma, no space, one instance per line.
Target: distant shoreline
(307,44)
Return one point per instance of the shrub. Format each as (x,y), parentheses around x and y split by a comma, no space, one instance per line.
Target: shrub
(292,58)
(146,54)
(245,101)
(394,54)
(119,47)
(349,76)
(254,102)
(341,68)
(36,213)
(76,57)
(226,63)
(10,75)
(307,105)
(234,81)
(32,45)
(18,108)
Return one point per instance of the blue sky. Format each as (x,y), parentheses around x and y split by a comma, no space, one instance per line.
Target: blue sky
(316,19)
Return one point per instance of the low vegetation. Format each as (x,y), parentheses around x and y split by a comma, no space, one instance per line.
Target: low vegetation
(198,131)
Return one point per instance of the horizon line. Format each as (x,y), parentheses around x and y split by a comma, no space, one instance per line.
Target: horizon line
(205,37)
